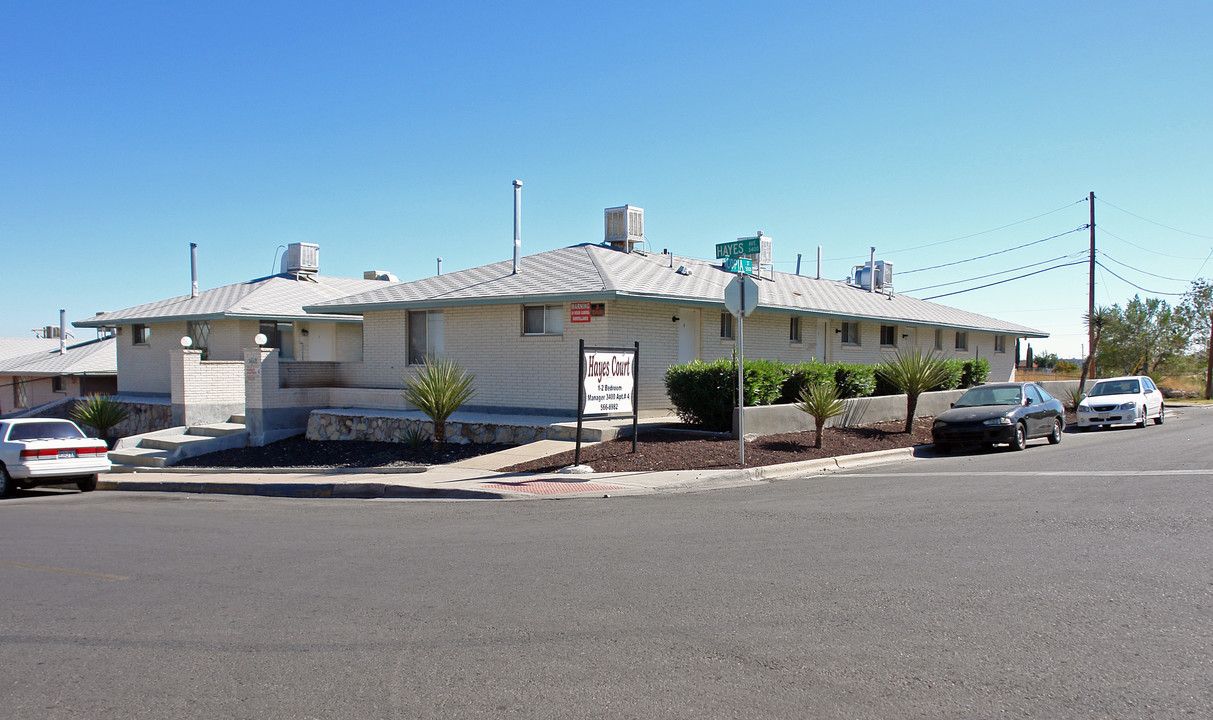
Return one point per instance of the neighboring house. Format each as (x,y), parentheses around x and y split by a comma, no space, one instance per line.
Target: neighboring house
(205,382)
(44,372)
(518,331)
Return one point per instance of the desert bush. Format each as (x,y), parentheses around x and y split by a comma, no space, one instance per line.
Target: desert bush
(440,388)
(821,402)
(913,372)
(102,413)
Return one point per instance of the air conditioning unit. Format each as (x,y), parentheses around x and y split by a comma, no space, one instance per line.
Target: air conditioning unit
(301,258)
(884,275)
(624,226)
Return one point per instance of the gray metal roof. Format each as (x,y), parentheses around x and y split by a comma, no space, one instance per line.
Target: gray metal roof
(92,357)
(16,347)
(277,297)
(598,272)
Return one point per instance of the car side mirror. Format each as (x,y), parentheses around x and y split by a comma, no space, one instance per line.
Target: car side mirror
(1027,402)
(1082,397)
(952,405)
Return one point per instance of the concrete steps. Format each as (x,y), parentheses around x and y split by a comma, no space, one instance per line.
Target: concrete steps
(168,447)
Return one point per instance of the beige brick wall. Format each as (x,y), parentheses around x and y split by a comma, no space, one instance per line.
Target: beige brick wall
(145,368)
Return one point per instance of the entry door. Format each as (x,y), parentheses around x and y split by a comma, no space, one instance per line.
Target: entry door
(688,335)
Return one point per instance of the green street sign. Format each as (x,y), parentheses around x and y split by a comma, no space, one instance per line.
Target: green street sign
(745,265)
(739,247)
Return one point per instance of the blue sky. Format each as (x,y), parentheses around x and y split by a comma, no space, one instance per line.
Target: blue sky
(389,134)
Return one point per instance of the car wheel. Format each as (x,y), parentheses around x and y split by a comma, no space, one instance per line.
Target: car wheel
(1142,422)
(1055,436)
(87,484)
(1021,437)
(7,486)
(1162,412)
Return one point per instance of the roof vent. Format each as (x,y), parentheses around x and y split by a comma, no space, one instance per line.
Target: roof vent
(301,259)
(379,275)
(624,226)
(862,276)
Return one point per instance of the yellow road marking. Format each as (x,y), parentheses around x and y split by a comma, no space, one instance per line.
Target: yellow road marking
(62,570)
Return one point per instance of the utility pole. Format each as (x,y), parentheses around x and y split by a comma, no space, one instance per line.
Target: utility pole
(1091,293)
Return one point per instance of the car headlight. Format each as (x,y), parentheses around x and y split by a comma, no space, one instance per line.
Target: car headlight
(1083,407)
(998,421)
(1126,406)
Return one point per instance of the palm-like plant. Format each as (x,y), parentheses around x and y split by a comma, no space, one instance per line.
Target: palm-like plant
(913,372)
(102,413)
(821,401)
(440,388)
(1094,321)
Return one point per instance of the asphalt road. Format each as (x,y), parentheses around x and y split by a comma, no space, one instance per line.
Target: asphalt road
(1073,581)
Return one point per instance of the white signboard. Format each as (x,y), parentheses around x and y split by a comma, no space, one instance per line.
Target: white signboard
(609,381)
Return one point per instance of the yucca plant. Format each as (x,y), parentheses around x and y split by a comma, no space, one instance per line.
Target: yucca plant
(440,388)
(913,372)
(821,401)
(102,413)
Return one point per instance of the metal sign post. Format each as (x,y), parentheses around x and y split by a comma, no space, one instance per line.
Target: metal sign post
(608,381)
(740,298)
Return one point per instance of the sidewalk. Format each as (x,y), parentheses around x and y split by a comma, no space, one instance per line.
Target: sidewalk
(471,479)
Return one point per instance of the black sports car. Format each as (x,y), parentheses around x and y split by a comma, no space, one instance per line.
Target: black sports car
(1010,413)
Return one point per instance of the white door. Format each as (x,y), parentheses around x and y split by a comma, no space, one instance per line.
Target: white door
(688,335)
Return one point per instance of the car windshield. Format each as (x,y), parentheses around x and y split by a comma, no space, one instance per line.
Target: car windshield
(1116,387)
(49,430)
(989,396)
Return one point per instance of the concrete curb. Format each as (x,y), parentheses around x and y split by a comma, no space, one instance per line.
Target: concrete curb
(178,469)
(369,490)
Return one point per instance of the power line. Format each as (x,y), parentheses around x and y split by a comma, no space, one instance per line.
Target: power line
(1000,252)
(1000,272)
(1143,272)
(966,237)
(1000,282)
(1152,222)
(1152,292)
(1104,230)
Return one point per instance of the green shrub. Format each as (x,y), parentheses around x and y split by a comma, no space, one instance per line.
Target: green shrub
(763,381)
(1065,367)
(102,413)
(854,380)
(955,372)
(440,388)
(803,375)
(703,393)
(975,372)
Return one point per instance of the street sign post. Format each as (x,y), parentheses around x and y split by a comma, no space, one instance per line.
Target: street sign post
(740,298)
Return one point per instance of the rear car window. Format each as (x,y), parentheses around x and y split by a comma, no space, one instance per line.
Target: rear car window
(50,430)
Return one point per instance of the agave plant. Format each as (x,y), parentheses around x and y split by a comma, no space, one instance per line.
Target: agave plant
(913,372)
(102,413)
(821,401)
(440,388)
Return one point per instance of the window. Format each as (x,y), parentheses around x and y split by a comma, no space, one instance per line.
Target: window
(888,335)
(962,340)
(57,383)
(794,330)
(542,319)
(1000,343)
(425,335)
(139,334)
(726,326)
(200,333)
(850,333)
(279,335)
(939,339)
(20,392)
(1033,394)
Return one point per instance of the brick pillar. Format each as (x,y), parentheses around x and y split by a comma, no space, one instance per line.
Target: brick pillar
(184,368)
(260,383)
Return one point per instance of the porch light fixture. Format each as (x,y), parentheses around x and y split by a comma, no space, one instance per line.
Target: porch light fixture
(186,341)
(260,339)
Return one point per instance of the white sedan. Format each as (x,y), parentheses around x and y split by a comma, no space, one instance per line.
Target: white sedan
(48,451)
(1130,400)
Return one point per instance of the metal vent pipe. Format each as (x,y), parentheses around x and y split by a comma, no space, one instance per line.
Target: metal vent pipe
(872,272)
(193,270)
(517,224)
(62,331)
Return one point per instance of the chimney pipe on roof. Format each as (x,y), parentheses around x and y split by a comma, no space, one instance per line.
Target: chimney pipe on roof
(517,224)
(193,270)
(818,262)
(62,331)
(439,266)
(872,272)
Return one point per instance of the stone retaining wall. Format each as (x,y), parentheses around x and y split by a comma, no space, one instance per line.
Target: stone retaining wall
(391,427)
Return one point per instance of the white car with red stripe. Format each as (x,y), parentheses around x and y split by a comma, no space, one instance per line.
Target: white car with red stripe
(48,451)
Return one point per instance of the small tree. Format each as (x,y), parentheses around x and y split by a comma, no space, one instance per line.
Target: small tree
(822,403)
(102,413)
(913,373)
(439,389)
